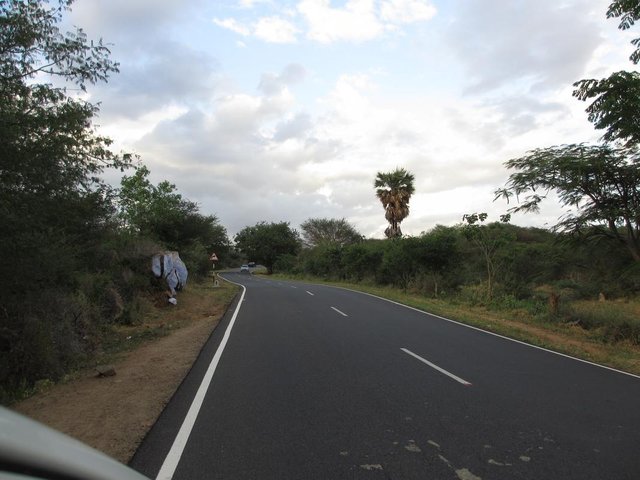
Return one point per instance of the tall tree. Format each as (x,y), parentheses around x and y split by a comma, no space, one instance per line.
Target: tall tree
(153,210)
(394,190)
(616,98)
(316,231)
(55,210)
(488,239)
(159,212)
(600,183)
(50,156)
(266,242)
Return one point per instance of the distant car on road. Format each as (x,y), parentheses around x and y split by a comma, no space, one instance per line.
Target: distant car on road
(244,268)
(252,264)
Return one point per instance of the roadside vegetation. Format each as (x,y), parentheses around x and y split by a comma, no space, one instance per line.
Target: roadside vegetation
(76,251)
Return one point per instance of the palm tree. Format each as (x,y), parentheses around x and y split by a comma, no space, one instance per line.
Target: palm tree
(394,189)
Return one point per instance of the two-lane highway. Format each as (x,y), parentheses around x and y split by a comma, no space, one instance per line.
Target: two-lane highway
(304,381)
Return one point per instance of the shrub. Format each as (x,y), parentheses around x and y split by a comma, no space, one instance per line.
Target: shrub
(611,321)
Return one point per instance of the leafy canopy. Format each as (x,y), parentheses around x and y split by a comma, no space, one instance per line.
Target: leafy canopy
(52,200)
(56,212)
(601,185)
(160,213)
(266,242)
(47,144)
(394,190)
(629,12)
(615,106)
(317,231)
(616,99)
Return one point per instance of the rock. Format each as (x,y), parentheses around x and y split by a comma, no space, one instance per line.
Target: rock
(106,370)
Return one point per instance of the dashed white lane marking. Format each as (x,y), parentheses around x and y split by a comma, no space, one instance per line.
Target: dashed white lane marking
(310,293)
(341,313)
(490,333)
(435,367)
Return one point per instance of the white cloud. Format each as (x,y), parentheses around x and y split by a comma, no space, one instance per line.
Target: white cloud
(356,21)
(406,11)
(272,84)
(275,30)
(251,3)
(269,29)
(115,19)
(233,25)
(539,44)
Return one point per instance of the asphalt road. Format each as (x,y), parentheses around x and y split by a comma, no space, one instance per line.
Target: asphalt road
(315,382)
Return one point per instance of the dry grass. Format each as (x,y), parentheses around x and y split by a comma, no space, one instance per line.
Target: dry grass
(113,414)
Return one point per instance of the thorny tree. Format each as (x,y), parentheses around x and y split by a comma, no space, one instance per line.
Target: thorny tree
(600,184)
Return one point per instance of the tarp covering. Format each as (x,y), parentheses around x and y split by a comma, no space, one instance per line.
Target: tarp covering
(169,266)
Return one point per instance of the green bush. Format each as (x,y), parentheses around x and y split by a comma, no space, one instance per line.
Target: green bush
(473,294)
(610,321)
(286,263)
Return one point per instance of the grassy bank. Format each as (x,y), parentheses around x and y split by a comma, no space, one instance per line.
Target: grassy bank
(199,301)
(587,331)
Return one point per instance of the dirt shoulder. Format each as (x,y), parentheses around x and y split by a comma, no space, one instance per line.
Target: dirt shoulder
(113,414)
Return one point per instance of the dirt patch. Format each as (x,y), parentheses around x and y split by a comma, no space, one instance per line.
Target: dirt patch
(113,414)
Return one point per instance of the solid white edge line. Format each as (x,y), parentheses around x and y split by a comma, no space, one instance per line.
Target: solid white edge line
(436,367)
(173,457)
(341,313)
(488,332)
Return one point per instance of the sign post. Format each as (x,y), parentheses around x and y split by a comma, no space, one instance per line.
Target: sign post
(214,259)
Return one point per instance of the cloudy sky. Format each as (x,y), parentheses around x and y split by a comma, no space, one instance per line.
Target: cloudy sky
(286,110)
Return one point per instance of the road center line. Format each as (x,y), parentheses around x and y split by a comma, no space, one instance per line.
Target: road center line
(341,313)
(310,293)
(434,366)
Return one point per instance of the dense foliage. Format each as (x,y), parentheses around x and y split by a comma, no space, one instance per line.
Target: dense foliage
(267,243)
(161,214)
(55,210)
(615,106)
(316,231)
(481,262)
(75,255)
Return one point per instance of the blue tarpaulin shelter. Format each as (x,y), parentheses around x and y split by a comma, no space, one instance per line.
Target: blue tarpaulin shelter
(170,267)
